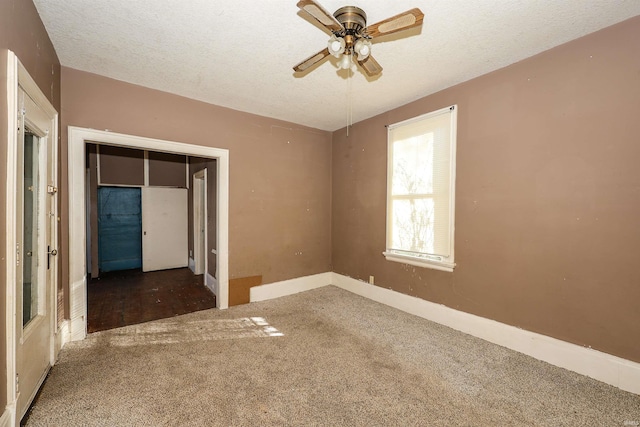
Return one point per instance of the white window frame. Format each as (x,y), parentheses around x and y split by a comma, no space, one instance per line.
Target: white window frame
(433,261)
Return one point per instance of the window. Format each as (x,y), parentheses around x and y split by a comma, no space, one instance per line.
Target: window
(421,190)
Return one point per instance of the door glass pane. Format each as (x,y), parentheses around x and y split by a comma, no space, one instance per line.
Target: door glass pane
(30,230)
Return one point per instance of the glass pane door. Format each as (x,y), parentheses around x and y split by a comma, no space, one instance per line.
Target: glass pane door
(31,212)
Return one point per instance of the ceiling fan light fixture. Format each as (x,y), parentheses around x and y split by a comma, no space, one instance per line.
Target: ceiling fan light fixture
(345,62)
(336,46)
(351,37)
(362,48)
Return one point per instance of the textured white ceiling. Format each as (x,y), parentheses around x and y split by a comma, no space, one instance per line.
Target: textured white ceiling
(240,53)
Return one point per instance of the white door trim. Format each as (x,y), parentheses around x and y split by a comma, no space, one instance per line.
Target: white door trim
(10,232)
(18,75)
(78,137)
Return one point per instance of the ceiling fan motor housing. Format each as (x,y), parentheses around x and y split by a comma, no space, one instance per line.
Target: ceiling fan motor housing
(352,18)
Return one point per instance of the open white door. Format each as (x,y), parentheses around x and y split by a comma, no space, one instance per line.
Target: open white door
(200,221)
(33,168)
(164,228)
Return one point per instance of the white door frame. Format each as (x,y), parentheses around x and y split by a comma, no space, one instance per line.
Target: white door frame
(200,242)
(18,75)
(78,138)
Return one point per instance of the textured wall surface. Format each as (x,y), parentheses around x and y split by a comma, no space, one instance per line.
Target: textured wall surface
(280,173)
(547,195)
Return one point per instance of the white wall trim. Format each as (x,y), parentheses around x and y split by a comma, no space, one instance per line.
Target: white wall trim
(78,137)
(145,168)
(211,283)
(192,265)
(7,418)
(604,367)
(10,231)
(289,287)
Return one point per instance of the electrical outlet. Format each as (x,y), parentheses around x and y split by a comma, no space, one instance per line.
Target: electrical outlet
(371,279)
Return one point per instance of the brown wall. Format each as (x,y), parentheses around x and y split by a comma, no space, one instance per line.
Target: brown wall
(280,203)
(547,195)
(121,166)
(126,166)
(22,32)
(167,170)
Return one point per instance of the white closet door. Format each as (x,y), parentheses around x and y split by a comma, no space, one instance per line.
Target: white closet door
(164,228)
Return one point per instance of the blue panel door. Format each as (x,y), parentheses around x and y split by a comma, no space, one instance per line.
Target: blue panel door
(119,229)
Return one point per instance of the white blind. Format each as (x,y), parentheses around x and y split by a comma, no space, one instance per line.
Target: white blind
(422,152)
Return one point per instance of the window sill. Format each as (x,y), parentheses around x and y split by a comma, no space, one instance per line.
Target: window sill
(419,262)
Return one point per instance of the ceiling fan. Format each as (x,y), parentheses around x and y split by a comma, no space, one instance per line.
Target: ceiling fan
(352,37)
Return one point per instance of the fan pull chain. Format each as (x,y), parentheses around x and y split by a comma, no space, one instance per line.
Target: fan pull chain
(349,100)
(351,95)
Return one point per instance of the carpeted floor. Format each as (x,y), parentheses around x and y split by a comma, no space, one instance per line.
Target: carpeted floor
(320,358)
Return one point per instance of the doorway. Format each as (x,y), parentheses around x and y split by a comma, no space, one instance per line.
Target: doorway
(119,229)
(78,138)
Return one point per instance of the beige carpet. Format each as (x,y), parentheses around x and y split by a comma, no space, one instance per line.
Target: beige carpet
(321,358)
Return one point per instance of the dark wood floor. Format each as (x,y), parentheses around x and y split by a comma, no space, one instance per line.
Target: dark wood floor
(122,298)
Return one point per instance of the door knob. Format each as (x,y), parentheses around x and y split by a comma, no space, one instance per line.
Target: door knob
(50,253)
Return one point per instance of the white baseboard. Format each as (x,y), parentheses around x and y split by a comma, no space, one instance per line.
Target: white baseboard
(289,287)
(212,283)
(62,337)
(77,329)
(192,265)
(78,308)
(6,420)
(604,367)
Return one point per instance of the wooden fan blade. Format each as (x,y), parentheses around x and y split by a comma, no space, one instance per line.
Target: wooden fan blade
(320,14)
(313,59)
(409,19)
(370,66)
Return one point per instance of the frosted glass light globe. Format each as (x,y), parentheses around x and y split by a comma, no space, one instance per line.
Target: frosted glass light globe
(336,46)
(345,62)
